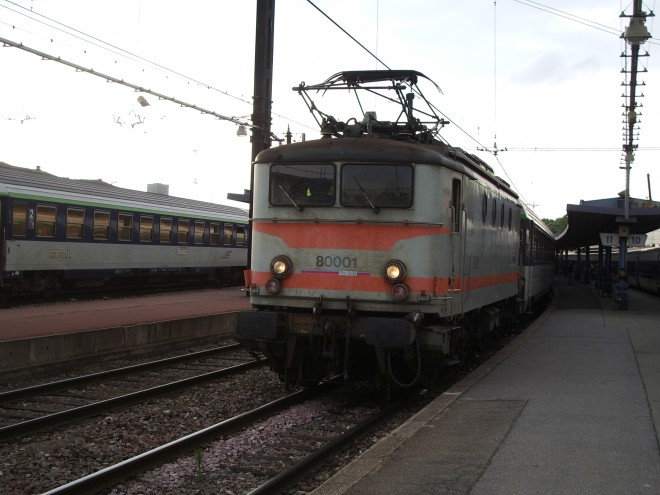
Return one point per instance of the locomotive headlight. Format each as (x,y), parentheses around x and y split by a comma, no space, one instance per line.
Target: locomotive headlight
(400,292)
(281,266)
(395,270)
(273,286)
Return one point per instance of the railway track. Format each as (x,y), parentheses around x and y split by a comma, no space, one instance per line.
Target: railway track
(26,410)
(278,457)
(258,458)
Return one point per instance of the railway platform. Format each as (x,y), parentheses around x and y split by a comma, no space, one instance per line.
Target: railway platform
(50,337)
(572,406)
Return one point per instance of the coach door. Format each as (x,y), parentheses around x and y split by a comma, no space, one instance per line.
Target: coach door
(457,245)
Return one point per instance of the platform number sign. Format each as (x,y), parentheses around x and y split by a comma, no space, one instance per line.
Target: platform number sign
(609,239)
(634,240)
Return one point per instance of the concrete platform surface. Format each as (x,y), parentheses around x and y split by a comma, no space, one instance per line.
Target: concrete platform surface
(571,407)
(76,316)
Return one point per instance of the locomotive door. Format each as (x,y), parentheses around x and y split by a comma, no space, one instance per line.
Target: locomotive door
(457,246)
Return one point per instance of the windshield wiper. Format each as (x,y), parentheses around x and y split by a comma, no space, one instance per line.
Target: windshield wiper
(293,201)
(371,203)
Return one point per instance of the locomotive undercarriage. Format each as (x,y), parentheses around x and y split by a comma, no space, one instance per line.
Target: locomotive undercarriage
(398,352)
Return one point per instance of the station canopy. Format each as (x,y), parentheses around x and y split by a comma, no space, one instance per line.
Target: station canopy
(589,219)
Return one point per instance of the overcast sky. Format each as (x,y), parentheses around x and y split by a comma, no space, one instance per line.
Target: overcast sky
(546,86)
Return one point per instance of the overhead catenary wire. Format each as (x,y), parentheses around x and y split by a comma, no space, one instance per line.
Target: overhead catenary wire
(97,42)
(528,3)
(82,36)
(348,34)
(110,78)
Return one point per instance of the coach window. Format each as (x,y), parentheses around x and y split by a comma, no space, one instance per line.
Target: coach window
(227,235)
(125,227)
(146,228)
(240,235)
(165,230)
(214,234)
(46,216)
(184,230)
(101,225)
(19,219)
(75,223)
(199,232)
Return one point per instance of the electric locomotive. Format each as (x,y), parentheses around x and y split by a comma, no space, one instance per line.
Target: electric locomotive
(379,251)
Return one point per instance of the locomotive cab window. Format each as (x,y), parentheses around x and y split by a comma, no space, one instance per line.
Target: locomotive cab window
(19,219)
(75,223)
(299,185)
(46,220)
(101,224)
(384,185)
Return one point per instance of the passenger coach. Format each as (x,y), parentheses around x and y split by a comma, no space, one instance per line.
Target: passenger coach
(58,233)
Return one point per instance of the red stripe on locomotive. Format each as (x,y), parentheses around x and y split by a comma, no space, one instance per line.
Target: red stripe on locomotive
(338,236)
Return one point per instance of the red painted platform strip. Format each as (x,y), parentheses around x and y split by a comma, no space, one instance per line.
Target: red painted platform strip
(52,319)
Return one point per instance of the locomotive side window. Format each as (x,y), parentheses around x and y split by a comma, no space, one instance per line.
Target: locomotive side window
(46,220)
(502,215)
(166,230)
(484,208)
(199,232)
(184,229)
(510,218)
(101,224)
(377,185)
(146,228)
(75,223)
(125,230)
(299,185)
(227,234)
(214,234)
(456,204)
(240,235)
(19,219)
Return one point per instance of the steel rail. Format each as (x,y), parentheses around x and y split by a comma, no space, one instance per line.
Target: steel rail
(294,472)
(118,472)
(21,393)
(91,409)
